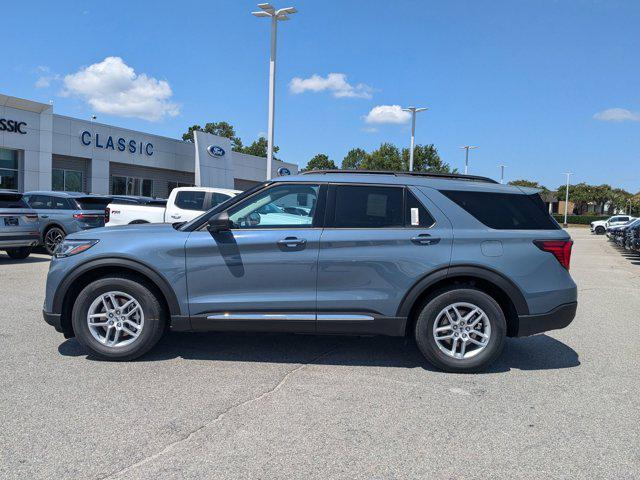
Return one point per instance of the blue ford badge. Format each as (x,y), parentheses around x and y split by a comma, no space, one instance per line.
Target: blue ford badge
(215,151)
(282,171)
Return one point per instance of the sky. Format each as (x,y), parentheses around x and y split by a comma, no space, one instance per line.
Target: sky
(541,86)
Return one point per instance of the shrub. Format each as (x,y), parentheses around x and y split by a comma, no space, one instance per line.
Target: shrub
(579,219)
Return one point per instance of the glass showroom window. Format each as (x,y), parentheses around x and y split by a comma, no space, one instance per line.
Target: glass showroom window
(66,180)
(8,169)
(131,186)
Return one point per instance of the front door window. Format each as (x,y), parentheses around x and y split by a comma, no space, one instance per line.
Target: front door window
(281,206)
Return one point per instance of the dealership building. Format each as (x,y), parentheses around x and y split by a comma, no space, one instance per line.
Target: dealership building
(40,150)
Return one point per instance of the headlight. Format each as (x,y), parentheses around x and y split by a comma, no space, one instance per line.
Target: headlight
(68,248)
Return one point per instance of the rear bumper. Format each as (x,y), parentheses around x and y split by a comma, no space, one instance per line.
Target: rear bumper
(19,240)
(557,318)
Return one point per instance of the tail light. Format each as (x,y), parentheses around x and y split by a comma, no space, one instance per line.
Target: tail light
(561,249)
(107,214)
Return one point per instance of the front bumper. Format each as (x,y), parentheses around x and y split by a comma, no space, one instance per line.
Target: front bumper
(557,318)
(53,319)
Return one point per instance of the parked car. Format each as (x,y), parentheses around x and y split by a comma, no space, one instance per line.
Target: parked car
(629,234)
(599,227)
(62,213)
(457,262)
(613,231)
(19,228)
(635,240)
(183,204)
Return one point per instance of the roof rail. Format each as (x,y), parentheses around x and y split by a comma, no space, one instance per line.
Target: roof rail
(446,176)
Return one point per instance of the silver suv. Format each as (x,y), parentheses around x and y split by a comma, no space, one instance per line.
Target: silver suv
(456,262)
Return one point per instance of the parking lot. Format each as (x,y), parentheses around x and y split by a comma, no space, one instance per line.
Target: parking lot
(560,405)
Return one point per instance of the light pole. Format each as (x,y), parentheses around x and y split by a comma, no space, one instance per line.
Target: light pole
(466,157)
(267,10)
(413,111)
(502,173)
(566,200)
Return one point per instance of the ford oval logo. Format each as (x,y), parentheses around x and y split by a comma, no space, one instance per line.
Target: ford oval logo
(282,171)
(215,151)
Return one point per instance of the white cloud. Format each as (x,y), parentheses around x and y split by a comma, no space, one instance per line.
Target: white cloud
(617,115)
(45,77)
(336,83)
(387,114)
(114,88)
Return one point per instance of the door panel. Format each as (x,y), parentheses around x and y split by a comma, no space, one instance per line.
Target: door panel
(371,269)
(252,271)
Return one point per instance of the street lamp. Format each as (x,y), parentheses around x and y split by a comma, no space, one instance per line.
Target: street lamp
(413,111)
(502,173)
(466,158)
(267,10)
(566,200)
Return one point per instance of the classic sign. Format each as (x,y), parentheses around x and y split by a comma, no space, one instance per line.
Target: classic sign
(119,143)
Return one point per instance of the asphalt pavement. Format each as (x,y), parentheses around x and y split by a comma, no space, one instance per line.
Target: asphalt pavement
(244,406)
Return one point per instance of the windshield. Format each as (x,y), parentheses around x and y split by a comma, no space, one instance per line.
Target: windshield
(12,200)
(201,219)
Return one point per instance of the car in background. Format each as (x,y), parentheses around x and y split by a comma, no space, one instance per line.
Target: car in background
(62,213)
(599,227)
(628,234)
(19,227)
(184,204)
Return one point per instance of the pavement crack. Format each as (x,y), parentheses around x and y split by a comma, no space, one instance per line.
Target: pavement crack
(219,417)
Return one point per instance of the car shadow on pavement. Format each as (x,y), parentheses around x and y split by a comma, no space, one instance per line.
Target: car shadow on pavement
(6,260)
(539,352)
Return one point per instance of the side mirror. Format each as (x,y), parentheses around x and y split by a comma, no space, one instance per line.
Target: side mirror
(219,223)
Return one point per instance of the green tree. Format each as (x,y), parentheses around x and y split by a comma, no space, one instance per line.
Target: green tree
(425,159)
(529,184)
(221,129)
(259,148)
(354,159)
(320,162)
(386,157)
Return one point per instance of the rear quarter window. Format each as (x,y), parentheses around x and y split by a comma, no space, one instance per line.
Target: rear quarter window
(504,211)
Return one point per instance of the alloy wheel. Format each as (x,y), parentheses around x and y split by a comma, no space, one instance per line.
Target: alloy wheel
(52,239)
(115,319)
(462,330)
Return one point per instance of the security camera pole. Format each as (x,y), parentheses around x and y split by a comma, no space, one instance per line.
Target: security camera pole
(466,157)
(413,111)
(566,200)
(267,10)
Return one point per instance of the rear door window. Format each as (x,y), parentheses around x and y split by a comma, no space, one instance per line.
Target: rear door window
(368,206)
(504,211)
(190,200)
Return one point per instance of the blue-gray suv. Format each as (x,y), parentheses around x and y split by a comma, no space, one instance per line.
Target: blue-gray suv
(457,262)
(62,213)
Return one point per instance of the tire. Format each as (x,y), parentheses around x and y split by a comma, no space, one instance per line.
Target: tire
(51,238)
(491,324)
(19,253)
(600,230)
(150,310)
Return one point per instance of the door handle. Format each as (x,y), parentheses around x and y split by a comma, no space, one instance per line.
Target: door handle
(425,239)
(176,216)
(44,216)
(291,242)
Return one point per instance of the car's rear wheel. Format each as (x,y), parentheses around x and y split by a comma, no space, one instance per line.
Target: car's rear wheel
(118,318)
(461,330)
(52,238)
(19,253)
(600,230)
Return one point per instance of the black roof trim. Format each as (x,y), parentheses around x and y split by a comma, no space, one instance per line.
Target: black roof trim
(445,176)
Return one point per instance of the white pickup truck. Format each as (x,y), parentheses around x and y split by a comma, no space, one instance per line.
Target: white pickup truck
(183,204)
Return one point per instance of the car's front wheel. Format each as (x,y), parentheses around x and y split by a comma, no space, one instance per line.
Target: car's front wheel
(600,230)
(461,330)
(118,318)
